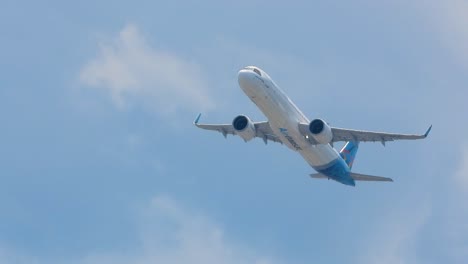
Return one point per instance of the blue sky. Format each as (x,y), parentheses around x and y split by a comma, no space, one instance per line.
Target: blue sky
(100,162)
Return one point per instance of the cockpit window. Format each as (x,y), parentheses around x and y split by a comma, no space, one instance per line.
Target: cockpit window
(257,71)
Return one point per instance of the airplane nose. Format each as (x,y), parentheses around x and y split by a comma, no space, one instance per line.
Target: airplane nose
(245,78)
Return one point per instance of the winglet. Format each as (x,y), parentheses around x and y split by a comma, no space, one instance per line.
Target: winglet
(427,132)
(197,119)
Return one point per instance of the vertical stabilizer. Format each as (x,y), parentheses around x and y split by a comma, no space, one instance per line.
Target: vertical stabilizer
(348,152)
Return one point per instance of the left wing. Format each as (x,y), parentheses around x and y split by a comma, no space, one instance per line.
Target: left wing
(262,130)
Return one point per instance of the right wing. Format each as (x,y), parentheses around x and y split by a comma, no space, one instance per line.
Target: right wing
(262,129)
(342,134)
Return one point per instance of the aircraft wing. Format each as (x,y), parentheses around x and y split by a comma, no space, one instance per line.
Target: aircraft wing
(262,129)
(341,134)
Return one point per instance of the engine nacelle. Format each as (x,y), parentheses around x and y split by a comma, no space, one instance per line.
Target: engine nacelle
(321,131)
(244,127)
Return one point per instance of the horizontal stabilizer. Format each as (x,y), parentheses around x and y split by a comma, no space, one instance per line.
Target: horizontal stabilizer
(355,176)
(363,177)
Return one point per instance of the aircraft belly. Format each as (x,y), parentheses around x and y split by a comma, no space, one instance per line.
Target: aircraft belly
(284,119)
(285,126)
(319,155)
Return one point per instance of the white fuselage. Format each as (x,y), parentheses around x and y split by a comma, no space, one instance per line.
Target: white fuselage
(284,117)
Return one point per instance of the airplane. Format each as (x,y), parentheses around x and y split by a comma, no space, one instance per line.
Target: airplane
(313,140)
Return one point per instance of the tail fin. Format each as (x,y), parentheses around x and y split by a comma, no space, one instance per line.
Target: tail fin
(348,152)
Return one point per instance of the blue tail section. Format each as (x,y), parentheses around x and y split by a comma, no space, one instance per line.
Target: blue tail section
(348,152)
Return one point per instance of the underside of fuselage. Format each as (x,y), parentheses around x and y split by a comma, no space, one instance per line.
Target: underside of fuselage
(337,170)
(284,117)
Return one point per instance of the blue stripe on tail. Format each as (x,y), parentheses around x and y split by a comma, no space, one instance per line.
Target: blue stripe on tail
(348,152)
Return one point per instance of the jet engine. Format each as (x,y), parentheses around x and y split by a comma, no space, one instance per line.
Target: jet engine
(244,127)
(321,131)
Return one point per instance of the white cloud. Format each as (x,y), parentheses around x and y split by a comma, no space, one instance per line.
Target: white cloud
(456,212)
(399,235)
(168,234)
(450,21)
(395,237)
(172,234)
(456,28)
(133,71)
(9,256)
